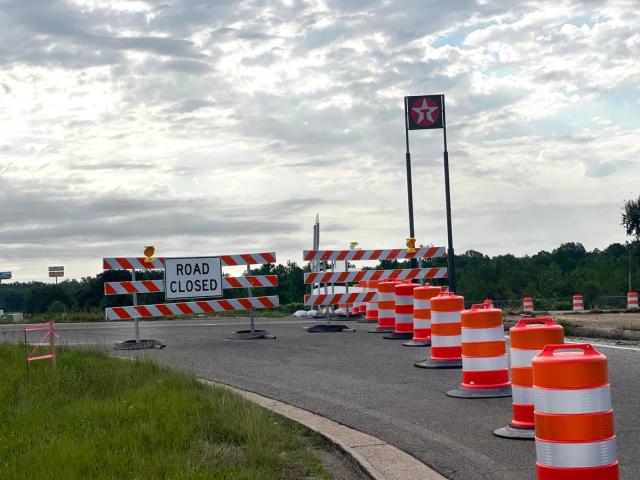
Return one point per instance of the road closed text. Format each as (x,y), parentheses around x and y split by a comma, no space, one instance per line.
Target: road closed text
(191,286)
(196,277)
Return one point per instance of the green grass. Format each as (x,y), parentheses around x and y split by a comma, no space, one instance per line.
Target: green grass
(102,418)
(569,327)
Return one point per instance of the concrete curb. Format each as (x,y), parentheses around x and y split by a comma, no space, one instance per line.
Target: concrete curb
(377,458)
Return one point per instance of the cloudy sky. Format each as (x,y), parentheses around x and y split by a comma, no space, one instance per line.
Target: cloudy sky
(215,127)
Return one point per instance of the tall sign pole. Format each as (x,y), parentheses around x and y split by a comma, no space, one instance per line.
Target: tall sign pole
(425,112)
(447,191)
(412,232)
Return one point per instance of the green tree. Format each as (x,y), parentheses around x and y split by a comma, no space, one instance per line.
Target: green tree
(631,218)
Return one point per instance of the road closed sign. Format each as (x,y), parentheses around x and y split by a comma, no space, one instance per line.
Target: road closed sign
(195,277)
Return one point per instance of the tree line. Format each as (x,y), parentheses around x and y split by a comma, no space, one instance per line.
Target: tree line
(551,277)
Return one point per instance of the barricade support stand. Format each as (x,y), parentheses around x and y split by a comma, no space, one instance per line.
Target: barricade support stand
(136,343)
(252,333)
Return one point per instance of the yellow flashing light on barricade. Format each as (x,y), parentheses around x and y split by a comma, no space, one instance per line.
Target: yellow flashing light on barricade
(149,250)
(353,245)
(411,245)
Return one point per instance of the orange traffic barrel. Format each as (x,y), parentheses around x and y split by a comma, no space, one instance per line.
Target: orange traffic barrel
(578,303)
(422,315)
(485,370)
(446,332)
(359,307)
(403,326)
(527,304)
(632,301)
(371,308)
(575,438)
(386,307)
(528,337)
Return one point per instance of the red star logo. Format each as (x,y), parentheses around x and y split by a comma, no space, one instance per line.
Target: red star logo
(425,112)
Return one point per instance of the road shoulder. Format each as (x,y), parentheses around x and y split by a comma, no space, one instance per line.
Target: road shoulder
(379,459)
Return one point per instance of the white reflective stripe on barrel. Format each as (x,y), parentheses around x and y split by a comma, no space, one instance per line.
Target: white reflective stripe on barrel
(419,303)
(576,455)
(420,323)
(404,318)
(522,358)
(384,313)
(522,395)
(386,296)
(471,335)
(484,364)
(445,317)
(404,300)
(588,400)
(445,340)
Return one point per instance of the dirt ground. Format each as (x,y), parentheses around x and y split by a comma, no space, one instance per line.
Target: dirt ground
(620,326)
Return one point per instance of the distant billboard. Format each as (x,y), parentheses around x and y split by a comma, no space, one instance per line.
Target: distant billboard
(56,271)
(5,275)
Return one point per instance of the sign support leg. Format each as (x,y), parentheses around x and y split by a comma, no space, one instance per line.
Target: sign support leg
(252,333)
(450,252)
(409,181)
(136,343)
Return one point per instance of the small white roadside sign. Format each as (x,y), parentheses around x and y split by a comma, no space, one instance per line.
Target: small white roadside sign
(195,277)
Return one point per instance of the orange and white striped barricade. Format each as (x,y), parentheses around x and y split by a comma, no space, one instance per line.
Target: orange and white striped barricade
(578,303)
(422,315)
(386,307)
(446,332)
(317,278)
(527,338)
(136,287)
(371,311)
(575,438)
(632,301)
(403,316)
(485,369)
(527,304)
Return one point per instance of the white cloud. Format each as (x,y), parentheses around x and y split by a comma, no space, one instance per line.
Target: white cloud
(208,127)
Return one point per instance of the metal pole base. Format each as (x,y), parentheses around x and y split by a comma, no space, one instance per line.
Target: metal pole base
(480,393)
(515,433)
(429,363)
(251,335)
(417,343)
(139,345)
(399,336)
(324,328)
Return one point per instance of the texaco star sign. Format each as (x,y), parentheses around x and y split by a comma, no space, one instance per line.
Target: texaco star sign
(425,111)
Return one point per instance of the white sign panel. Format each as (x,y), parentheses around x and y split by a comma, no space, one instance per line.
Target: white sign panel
(5,275)
(195,277)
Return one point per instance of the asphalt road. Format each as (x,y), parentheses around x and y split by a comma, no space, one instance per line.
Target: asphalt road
(368,383)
